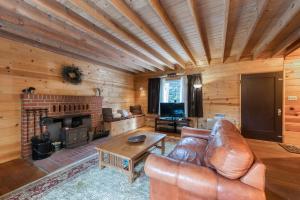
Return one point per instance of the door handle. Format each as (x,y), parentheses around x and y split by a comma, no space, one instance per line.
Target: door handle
(279,112)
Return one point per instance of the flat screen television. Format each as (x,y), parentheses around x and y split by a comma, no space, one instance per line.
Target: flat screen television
(172,110)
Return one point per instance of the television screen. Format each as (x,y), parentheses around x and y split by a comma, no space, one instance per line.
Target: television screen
(172,109)
(178,110)
(165,109)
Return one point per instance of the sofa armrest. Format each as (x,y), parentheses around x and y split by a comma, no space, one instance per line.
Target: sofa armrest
(240,191)
(194,132)
(198,180)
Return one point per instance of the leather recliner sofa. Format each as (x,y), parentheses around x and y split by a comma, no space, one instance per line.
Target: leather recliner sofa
(205,164)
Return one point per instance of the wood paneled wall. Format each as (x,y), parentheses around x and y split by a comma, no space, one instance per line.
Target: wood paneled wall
(221,86)
(22,66)
(292,89)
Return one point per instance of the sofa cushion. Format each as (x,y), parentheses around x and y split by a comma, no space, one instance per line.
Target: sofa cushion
(124,113)
(116,115)
(136,110)
(224,124)
(189,149)
(229,154)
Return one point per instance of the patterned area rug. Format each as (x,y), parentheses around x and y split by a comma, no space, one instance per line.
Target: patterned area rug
(84,180)
(290,148)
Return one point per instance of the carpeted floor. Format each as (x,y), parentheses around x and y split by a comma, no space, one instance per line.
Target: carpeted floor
(84,180)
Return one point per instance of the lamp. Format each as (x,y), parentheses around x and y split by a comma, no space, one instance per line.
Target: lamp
(197,83)
(197,86)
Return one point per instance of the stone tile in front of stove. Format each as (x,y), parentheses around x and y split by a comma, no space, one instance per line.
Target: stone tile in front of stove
(66,157)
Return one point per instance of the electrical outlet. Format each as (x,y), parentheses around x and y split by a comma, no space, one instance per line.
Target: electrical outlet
(292,98)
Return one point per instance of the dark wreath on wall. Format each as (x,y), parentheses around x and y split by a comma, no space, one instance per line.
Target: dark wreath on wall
(72,74)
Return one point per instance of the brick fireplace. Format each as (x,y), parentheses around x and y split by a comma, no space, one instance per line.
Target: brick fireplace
(54,106)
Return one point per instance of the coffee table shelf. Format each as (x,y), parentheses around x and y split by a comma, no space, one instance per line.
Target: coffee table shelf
(117,151)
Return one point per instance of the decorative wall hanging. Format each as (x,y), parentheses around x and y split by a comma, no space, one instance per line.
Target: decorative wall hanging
(72,74)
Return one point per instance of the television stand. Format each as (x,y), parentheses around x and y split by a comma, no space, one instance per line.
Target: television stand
(172,124)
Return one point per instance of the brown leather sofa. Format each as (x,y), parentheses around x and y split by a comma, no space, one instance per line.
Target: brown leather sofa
(215,164)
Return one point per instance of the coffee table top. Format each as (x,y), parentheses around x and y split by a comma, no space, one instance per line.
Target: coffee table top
(120,146)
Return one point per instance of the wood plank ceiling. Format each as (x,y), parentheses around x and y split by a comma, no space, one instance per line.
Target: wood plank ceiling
(149,35)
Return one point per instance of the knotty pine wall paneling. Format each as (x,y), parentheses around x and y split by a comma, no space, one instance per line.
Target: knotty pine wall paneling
(221,86)
(22,66)
(292,98)
(221,90)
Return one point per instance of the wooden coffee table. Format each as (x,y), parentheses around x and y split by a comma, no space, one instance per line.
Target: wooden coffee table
(119,153)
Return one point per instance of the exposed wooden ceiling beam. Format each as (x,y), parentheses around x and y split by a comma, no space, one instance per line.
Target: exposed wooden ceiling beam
(44,40)
(193,8)
(277,27)
(58,50)
(18,24)
(292,48)
(74,18)
(261,8)
(286,43)
(225,30)
(161,12)
(123,8)
(64,32)
(119,30)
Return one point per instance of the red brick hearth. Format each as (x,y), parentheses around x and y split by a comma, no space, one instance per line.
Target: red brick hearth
(54,105)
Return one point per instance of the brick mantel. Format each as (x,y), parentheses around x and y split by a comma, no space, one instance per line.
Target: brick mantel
(56,105)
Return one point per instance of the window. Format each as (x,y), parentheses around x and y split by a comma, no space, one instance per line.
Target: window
(172,90)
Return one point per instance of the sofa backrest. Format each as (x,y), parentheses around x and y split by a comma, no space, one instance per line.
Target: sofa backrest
(224,124)
(227,151)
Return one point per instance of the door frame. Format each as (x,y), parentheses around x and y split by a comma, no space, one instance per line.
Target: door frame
(283,98)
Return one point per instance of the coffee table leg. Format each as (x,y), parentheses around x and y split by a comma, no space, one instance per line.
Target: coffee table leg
(131,171)
(100,159)
(163,146)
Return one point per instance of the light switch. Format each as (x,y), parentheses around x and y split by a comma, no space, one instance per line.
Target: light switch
(292,98)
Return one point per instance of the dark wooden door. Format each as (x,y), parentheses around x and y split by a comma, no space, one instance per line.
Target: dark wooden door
(261,106)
